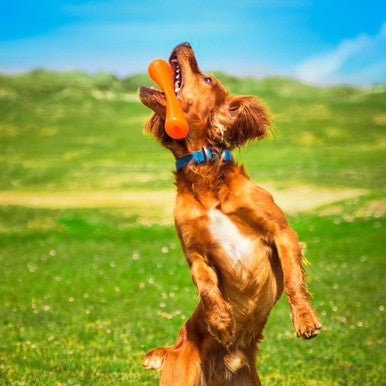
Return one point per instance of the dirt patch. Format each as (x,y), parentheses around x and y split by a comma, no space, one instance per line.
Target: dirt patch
(305,198)
(160,203)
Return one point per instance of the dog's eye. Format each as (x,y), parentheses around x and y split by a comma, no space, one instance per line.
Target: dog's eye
(208,80)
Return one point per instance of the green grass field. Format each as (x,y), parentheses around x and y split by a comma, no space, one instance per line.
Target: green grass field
(87,289)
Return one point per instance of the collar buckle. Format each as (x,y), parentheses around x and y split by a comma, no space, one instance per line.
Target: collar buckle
(207,153)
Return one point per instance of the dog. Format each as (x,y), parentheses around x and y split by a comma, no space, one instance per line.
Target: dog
(237,242)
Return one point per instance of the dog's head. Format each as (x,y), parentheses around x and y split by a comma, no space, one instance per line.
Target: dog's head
(216,119)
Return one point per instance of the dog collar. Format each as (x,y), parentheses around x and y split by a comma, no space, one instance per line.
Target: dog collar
(202,156)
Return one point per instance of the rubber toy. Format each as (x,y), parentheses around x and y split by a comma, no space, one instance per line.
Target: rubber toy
(176,125)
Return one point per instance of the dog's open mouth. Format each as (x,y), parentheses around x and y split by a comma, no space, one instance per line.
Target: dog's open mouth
(154,98)
(177,76)
(177,72)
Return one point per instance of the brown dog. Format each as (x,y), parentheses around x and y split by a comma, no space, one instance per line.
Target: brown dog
(237,242)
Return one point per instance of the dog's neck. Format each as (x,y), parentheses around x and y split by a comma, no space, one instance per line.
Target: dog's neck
(205,180)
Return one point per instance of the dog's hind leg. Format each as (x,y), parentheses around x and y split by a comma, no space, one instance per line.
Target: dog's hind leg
(181,364)
(155,359)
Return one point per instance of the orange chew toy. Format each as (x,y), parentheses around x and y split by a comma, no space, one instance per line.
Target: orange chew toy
(176,125)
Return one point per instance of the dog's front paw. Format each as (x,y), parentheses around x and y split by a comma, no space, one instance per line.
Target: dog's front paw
(154,359)
(306,322)
(220,323)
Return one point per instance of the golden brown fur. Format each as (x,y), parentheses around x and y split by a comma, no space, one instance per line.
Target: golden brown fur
(218,344)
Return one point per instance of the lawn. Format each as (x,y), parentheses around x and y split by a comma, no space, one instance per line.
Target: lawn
(87,289)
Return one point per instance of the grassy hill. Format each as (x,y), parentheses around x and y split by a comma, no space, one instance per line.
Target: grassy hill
(73,131)
(87,289)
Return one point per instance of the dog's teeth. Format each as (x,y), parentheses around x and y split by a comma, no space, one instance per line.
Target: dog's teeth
(177,77)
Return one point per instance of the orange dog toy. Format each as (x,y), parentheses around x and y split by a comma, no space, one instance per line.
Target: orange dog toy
(176,125)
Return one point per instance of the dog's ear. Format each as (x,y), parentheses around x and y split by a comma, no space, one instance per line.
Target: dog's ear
(156,126)
(239,119)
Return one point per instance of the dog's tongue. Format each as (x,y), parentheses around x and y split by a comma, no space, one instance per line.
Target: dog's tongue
(156,89)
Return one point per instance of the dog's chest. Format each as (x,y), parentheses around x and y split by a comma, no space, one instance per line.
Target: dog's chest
(225,232)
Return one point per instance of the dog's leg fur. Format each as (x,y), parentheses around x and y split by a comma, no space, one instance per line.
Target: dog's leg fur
(181,363)
(217,310)
(304,318)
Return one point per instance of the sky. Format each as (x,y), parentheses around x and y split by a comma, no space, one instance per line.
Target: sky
(319,42)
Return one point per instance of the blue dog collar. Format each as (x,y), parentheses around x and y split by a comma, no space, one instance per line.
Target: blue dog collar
(202,156)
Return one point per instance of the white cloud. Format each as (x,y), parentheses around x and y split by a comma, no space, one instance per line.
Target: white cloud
(340,65)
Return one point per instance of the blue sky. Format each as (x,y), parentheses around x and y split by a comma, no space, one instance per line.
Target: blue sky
(322,42)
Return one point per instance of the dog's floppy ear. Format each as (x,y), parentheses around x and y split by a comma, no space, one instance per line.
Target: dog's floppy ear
(239,119)
(156,126)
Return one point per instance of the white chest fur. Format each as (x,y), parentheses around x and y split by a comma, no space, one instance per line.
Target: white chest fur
(225,232)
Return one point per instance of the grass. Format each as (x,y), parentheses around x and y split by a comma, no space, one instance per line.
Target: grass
(86,291)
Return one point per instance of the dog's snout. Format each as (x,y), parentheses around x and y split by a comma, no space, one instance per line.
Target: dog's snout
(186,44)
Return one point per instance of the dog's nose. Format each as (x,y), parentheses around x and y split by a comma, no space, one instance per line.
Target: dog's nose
(186,44)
